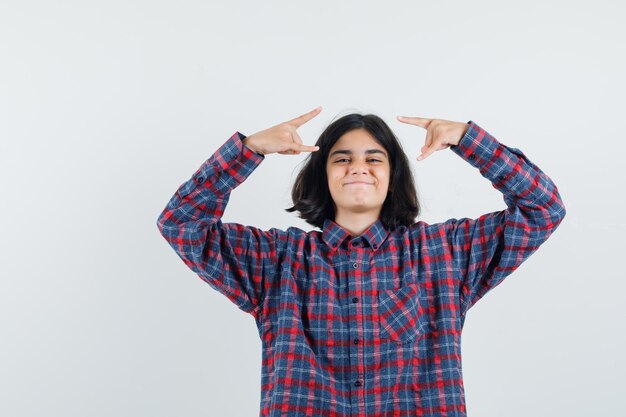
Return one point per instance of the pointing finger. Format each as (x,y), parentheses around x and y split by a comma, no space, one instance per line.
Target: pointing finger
(300,120)
(417,121)
(429,137)
(295,137)
(429,150)
(297,148)
(302,147)
(427,144)
(308,148)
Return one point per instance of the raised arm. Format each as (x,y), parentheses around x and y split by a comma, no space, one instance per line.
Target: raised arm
(486,250)
(238,261)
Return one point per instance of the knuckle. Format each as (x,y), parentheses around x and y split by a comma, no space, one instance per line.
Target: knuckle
(285,136)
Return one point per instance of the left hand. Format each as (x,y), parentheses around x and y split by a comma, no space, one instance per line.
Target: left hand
(440,134)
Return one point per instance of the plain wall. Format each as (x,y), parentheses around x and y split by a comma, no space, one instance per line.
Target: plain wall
(106,107)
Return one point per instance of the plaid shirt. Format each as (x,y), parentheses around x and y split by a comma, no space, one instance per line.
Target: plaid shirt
(365,325)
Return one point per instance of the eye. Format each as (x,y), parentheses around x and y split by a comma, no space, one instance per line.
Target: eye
(346,159)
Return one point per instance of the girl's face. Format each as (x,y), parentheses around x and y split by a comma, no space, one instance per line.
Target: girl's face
(358,171)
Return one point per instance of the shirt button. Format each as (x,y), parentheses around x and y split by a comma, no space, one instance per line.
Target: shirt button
(356,341)
(200,179)
(357,384)
(335,245)
(375,246)
(355,299)
(355,265)
(471,156)
(355,243)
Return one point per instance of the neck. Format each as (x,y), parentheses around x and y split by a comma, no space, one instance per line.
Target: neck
(356,223)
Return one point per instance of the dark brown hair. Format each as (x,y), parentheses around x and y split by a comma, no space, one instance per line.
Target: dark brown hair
(310,193)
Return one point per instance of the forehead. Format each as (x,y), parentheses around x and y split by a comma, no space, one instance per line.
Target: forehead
(357,140)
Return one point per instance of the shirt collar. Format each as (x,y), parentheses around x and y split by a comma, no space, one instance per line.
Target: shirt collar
(334,235)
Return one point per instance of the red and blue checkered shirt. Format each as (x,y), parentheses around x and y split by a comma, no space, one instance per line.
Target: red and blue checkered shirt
(365,325)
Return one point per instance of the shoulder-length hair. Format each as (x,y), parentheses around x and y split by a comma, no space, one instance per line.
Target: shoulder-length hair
(310,193)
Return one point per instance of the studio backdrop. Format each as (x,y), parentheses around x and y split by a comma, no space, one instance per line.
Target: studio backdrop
(107,108)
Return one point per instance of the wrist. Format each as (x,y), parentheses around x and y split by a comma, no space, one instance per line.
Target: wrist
(247,144)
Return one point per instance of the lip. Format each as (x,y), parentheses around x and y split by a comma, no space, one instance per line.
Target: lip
(358,182)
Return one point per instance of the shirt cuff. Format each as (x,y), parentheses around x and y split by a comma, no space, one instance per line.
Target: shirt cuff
(497,162)
(228,167)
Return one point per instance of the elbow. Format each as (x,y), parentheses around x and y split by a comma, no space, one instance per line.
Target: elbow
(557,213)
(160,221)
(159,225)
(560,206)
(562,212)
(164,224)
(558,209)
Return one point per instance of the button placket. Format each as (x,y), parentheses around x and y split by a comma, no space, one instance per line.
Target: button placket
(359,261)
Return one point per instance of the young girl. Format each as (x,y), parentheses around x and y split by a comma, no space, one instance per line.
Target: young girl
(364,316)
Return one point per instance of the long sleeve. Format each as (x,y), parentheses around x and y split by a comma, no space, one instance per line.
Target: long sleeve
(238,261)
(487,249)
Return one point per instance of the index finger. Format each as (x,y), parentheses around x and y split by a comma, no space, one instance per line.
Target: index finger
(418,121)
(300,120)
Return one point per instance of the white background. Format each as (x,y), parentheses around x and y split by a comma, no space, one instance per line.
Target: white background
(106,107)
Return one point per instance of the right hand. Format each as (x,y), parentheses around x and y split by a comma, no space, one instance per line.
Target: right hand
(283,137)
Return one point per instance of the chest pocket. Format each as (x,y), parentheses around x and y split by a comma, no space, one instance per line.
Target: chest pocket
(398,313)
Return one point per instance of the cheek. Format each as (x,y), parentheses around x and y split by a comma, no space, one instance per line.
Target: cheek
(333,176)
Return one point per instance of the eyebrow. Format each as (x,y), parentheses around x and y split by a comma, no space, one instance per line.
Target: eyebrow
(349,152)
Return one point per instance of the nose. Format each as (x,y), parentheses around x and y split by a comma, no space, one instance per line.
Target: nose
(357,167)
